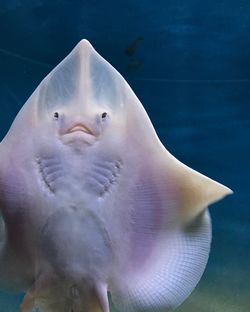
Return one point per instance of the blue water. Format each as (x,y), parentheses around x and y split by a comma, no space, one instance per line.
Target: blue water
(188,61)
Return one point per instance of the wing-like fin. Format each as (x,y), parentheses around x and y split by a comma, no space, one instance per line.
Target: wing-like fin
(15,272)
(195,191)
(172,269)
(169,234)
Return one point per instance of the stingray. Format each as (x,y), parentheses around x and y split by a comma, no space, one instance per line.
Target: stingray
(93,204)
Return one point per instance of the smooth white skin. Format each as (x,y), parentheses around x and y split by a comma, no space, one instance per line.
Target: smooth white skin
(90,199)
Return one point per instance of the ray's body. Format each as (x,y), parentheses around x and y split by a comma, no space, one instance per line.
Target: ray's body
(92,202)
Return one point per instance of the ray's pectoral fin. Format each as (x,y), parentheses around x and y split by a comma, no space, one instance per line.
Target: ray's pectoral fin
(3,252)
(194,191)
(15,268)
(14,275)
(169,237)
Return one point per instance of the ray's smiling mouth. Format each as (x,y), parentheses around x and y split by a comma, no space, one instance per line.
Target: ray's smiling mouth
(80,128)
(78,133)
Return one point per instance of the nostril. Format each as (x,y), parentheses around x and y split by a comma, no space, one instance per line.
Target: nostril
(56,115)
(104,115)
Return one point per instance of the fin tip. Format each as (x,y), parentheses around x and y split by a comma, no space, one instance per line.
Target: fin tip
(227,191)
(218,193)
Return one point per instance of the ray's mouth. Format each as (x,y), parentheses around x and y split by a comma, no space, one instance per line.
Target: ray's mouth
(80,128)
(79,133)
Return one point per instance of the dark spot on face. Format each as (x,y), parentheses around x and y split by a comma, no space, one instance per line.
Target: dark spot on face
(104,115)
(56,115)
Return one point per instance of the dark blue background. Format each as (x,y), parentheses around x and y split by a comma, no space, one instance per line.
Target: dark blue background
(188,61)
